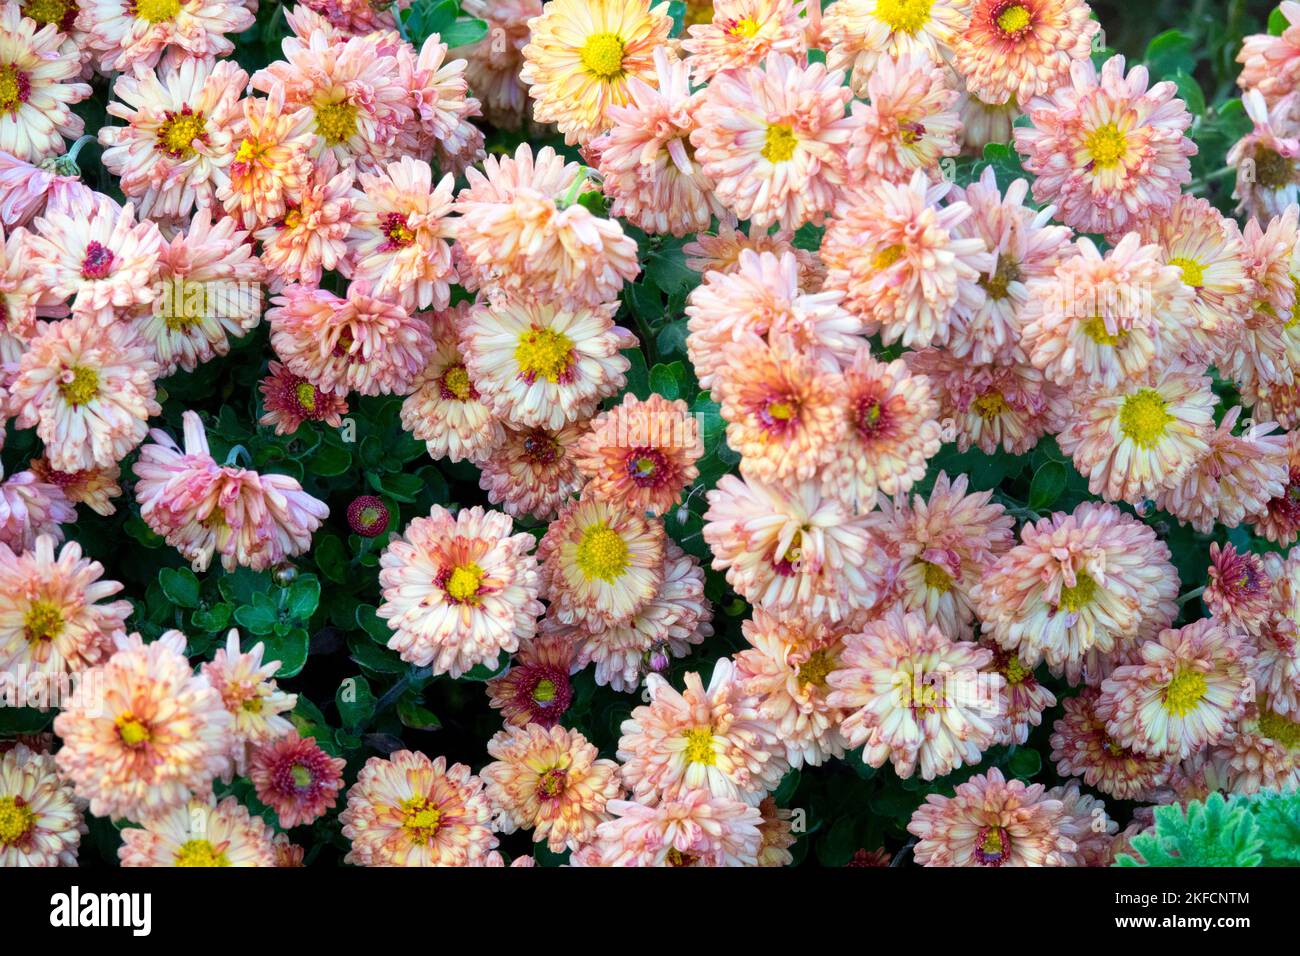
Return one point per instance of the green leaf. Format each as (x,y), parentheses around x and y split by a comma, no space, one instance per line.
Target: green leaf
(638,376)
(1047,485)
(180,585)
(355,701)
(331,460)
(331,558)
(666,380)
(290,650)
(373,624)
(1277,22)
(1025,763)
(212,619)
(259,617)
(415,715)
(483,672)
(1189,91)
(302,597)
(239,586)
(666,267)
(1213,833)
(464,32)
(671,339)
(1169,53)
(373,657)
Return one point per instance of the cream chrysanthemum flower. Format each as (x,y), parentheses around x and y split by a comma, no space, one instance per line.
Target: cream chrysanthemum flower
(581,56)
(459,590)
(715,739)
(124,34)
(409,810)
(742,34)
(38,86)
(857,33)
(1019,49)
(720,250)
(1081,747)
(200,833)
(697,829)
(40,817)
(311,235)
(549,781)
(543,365)
(1079,590)
(154,737)
(914,697)
(1142,436)
(534,471)
(773,139)
(983,123)
(251,695)
(271,162)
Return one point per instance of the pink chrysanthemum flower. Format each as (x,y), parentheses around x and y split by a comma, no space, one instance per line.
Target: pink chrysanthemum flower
(1019,49)
(1267,159)
(493,64)
(397,242)
(1023,698)
(911,122)
(581,56)
(720,251)
(123,34)
(54,619)
(30,507)
(1081,747)
(1186,692)
(93,487)
(1276,669)
(896,255)
(201,508)
(439,96)
(641,454)
(1279,521)
(1239,589)
(26,189)
(88,390)
(296,778)
(359,343)
(549,781)
(914,697)
(271,164)
(715,739)
(310,236)
(1106,149)
(773,139)
(942,548)
(200,833)
(409,810)
(1079,589)
(156,735)
(289,400)
(992,821)
(1087,824)
(1271,64)
(742,34)
(534,472)
(856,34)
(177,142)
(249,691)
(38,86)
(1265,753)
(536,689)
(1142,436)
(1261,356)
(459,590)
(698,829)
(537,364)
(793,550)
(521,231)
(40,817)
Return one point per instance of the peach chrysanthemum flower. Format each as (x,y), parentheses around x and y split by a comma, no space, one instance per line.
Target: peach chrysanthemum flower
(93,487)
(459,590)
(39,76)
(1267,159)
(156,735)
(535,689)
(397,242)
(581,56)
(793,549)
(902,265)
(41,820)
(992,821)
(941,548)
(1276,669)
(200,833)
(289,400)
(1142,436)
(1238,592)
(1081,747)
(1078,589)
(30,507)
(549,781)
(1187,690)
(1108,151)
(893,431)
(1261,356)
(200,508)
(788,664)
(742,34)
(1086,823)
(54,619)
(124,34)
(249,691)
(715,739)
(360,343)
(493,63)
(720,250)
(1264,754)
(914,697)
(296,778)
(88,390)
(641,454)
(522,231)
(601,563)
(177,140)
(271,164)
(353,17)
(1019,49)
(1271,64)
(1023,698)
(857,33)
(778,835)
(409,810)
(310,236)
(538,364)
(534,471)
(439,96)
(911,122)
(773,140)
(697,829)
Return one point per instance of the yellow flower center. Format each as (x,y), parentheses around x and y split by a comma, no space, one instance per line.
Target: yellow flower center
(886,257)
(602,553)
(544,692)
(13,88)
(83,387)
(1075,598)
(16,821)
(780,411)
(302,777)
(1095,329)
(779,143)
(748,27)
(156,11)
(1007,272)
(602,55)
(252,706)
(200,853)
(990,405)
(456,381)
(1013,19)
(180,130)
(1015,672)
(1106,145)
(552,782)
(904,16)
(1193,273)
(1184,692)
(699,746)
(1273,170)
(42,622)
(937,578)
(47,11)
(1276,727)
(420,819)
(305,393)
(994,843)
(816,667)
(248,151)
(464,583)
(336,122)
(545,353)
(133,732)
(1143,419)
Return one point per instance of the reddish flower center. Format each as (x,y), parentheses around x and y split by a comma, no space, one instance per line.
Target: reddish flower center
(540,448)
(647,467)
(454,383)
(551,784)
(98,262)
(396,231)
(993,846)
